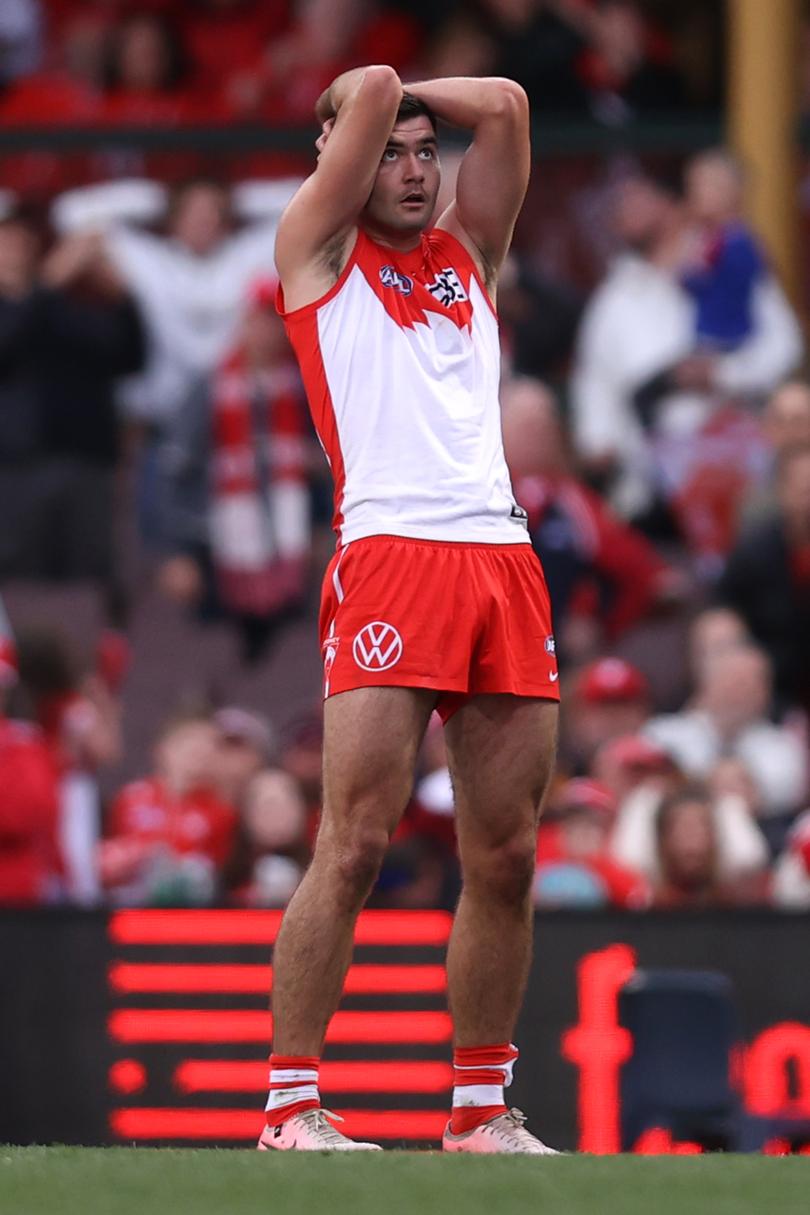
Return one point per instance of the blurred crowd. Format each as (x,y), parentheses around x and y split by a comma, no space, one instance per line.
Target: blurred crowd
(190,61)
(657,429)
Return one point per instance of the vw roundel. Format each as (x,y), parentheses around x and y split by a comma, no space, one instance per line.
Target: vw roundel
(377,646)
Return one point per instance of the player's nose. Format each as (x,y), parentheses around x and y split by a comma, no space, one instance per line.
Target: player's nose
(414,168)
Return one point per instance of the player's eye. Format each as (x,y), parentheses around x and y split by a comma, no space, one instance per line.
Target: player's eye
(427,153)
(390,154)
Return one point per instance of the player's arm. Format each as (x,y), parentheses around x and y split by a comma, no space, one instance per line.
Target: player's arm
(358,112)
(494,173)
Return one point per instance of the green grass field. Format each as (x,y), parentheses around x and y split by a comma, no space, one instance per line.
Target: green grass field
(123,1181)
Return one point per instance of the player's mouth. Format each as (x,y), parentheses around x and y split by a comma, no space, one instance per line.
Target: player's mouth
(414,199)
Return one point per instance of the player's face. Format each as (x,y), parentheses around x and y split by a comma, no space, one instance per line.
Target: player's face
(407,184)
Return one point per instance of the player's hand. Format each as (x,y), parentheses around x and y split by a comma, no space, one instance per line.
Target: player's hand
(326,131)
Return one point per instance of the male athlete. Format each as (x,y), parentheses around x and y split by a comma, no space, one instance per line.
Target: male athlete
(434,599)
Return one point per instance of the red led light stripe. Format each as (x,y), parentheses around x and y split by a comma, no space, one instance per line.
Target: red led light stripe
(232,1124)
(246,1076)
(250,979)
(249,1025)
(194,927)
(152,927)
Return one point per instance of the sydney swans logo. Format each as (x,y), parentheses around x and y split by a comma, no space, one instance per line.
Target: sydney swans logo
(377,646)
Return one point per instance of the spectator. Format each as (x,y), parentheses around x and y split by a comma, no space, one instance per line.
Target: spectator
(538,45)
(785,424)
(302,758)
(245,744)
(324,38)
(690,876)
(80,718)
(226,40)
(767,579)
(714,631)
(727,716)
(742,849)
(146,74)
(169,836)
(192,282)
(627,68)
(274,826)
(539,318)
(635,376)
(20,38)
(624,764)
(791,882)
(68,331)
(725,262)
(30,863)
(609,698)
(786,420)
(602,575)
(431,813)
(574,867)
(235,461)
(71,89)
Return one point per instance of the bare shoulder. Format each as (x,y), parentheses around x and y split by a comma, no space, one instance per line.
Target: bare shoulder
(306,274)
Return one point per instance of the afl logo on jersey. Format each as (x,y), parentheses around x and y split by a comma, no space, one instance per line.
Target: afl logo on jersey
(377,646)
(391,277)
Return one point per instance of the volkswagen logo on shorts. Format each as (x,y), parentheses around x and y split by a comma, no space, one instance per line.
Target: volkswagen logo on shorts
(377,646)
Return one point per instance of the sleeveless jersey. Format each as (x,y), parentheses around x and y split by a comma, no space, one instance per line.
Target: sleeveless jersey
(401,365)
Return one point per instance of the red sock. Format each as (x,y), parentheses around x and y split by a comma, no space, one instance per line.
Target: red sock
(293,1087)
(479,1076)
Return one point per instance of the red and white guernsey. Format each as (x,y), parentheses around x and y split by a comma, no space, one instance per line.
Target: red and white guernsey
(401,364)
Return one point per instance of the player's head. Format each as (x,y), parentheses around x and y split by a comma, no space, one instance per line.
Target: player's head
(407,183)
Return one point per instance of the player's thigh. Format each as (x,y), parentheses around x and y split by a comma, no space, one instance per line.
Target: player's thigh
(501,751)
(371,740)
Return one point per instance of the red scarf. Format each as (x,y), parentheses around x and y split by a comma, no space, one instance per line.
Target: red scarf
(259,521)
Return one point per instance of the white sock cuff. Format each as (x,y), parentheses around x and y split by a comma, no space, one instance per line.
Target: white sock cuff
(477,1094)
(280,1097)
(293,1075)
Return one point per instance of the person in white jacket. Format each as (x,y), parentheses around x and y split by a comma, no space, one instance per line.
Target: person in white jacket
(190,282)
(639,325)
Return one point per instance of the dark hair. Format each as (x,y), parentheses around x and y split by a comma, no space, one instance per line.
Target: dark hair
(412,107)
(180,191)
(176,64)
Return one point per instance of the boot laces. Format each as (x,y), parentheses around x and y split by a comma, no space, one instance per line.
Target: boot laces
(512,1127)
(320,1122)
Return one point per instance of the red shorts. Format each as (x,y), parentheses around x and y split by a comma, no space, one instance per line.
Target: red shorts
(458,618)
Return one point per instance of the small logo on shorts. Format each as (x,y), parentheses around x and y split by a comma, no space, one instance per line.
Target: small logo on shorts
(377,646)
(551,645)
(330,648)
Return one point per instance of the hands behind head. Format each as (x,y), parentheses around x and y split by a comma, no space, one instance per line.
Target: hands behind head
(326,131)
(80,256)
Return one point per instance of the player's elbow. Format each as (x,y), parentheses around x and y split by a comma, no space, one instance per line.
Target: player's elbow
(507,99)
(381,84)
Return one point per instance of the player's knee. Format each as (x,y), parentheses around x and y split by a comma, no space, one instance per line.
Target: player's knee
(504,870)
(357,861)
